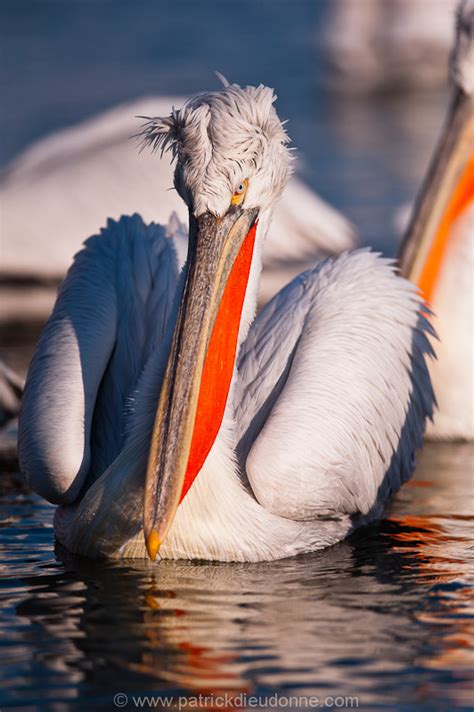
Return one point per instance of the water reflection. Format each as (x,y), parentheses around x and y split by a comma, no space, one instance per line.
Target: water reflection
(386,615)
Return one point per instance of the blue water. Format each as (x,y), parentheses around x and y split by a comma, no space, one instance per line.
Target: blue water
(385,617)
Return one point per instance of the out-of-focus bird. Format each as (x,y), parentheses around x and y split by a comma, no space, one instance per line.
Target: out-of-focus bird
(161,416)
(11,388)
(387,45)
(438,251)
(75,179)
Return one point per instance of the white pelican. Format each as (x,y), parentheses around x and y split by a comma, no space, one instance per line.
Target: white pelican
(386,45)
(256,439)
(438,250)
(75,179)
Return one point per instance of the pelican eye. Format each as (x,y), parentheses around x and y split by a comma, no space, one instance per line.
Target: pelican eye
(240,192)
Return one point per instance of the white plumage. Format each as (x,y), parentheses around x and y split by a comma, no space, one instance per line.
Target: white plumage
(347,328)
(452,372)
(385,45)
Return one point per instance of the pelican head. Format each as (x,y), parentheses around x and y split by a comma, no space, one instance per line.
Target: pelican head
(462,55)
(232,163)
(452,166)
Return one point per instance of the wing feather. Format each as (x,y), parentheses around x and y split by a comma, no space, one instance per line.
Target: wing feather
(110,313)
(334,390)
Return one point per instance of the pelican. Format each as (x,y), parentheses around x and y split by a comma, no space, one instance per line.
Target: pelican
(163,417)
(386,45)
(438,251)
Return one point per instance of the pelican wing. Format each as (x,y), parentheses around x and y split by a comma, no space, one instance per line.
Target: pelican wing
(109,316)
(334,390)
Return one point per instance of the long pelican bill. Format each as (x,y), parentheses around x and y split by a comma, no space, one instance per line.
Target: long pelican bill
(448,187)
(200,365)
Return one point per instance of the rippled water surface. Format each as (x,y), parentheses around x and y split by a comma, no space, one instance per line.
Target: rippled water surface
(385,616)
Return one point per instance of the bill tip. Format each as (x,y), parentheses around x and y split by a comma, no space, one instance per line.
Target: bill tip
(152,544)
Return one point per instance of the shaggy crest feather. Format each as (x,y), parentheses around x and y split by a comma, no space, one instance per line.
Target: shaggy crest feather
(220,138)
(223,80)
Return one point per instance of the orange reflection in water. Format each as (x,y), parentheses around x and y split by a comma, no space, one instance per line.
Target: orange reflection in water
(441,544)
(201,669)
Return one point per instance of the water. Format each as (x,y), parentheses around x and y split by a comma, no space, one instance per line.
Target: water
(385,616)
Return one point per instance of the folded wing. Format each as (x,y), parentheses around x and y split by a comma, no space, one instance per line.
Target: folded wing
(334,390)
(110,314)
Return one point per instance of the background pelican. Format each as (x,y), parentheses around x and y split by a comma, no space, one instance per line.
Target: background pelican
(387,45)
(438,250)
(259,440)
(78,177)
